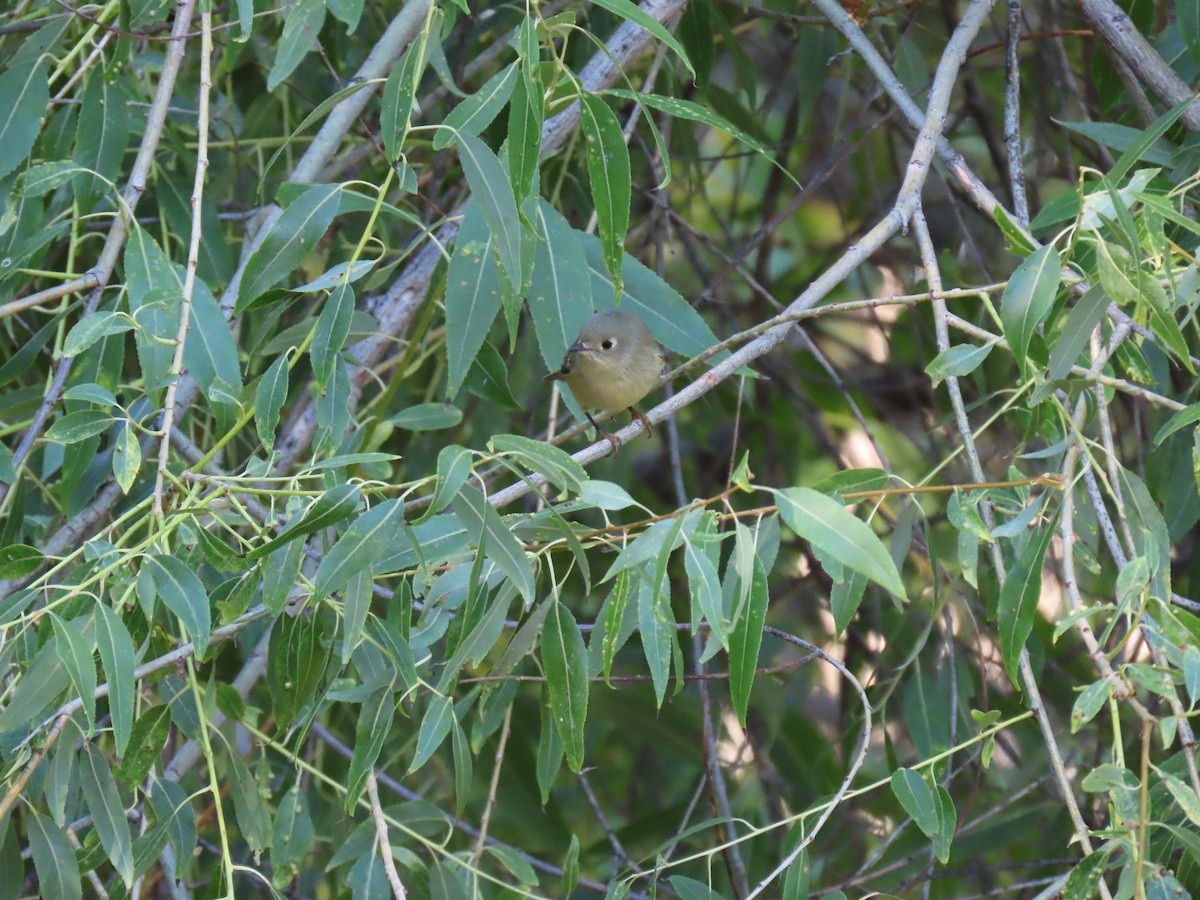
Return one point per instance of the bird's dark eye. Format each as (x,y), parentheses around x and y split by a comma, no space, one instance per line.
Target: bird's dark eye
(608,343)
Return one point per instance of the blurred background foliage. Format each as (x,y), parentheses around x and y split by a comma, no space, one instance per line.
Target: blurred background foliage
(288,607)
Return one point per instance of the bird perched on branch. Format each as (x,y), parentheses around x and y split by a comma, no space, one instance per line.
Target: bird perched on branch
(614,364)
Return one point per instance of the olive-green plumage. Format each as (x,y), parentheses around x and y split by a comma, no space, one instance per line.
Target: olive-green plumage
(613,365)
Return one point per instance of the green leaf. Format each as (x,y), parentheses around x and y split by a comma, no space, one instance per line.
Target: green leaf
(845,598)
(117,656)
(956,362)
(24,97)
(705,587)
(491,189)
(1089,702)
(210,354)
(75,653)
(487,530)
(127,457)
(253,817)
(827,525)
(371,728)
(629,11)
(1085,877)
(556,464)
(399,95)
(184,595)
(427,417)
(330,508)
(549,750)
(610,178)
(43,178)
(439,719)
(477,111)
(1182,419)
(612,618)
(108,813)
(647,545)
(1029,297)
(917,798)
(290,240)
(94,327)
(560,294)
(155,296)
(1085,315)
(1183,794)
(1019,598)
(146,742)
(745,641)
(103,133)
(357,550)
(296,664)
(333,327)
(694,112)
(564,659)
(453,470)
(53,857)
(656,623)
(605,495)
(526,115)
(79,426)
(19,560)
(302,23)
(269,397)
(472,296)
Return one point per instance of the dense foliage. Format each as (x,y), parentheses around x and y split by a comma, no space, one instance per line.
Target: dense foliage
(305,595)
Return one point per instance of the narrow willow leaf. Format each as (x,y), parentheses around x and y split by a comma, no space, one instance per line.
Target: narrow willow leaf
(564,659)
(53,857)
(146,742)
(477,111)
(108,814)
(211,354)
(845,598)
(45,177)
(357,605)
(127,457)
(289,241)
(302,23)
(75,652)
(1085,877)
(357,549)
(605,495)
(330,508)
(79,426)
(525,118)
(1029,297)
(956,362)
(24,97)
(90,329)
(649,543)
(1182,419)
(333,327)
(19,560)
(490,188)
(117,656)
(371,728)
(439,719)
(631,12)
(472,296)
(296,663)
(610,178)
(560,294)
(453,470)
(253,817)
(745,642)
(280,573)
(656,624)
(1019,598)
(613,618)
(1089,702)
(155,296)
(523,641)
(184,595)
(827,525)
(269,397)
(399,95)
(463,767)
(917,798)
(427,417)
(556,464)
(101,137)
(549,750)
(488,530)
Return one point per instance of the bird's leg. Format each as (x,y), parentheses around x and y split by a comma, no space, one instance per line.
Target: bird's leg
(601,433)
(641,417)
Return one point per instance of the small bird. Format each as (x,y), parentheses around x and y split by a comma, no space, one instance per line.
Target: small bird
(614,364)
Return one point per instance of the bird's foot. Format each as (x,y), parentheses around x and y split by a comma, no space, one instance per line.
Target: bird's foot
(612,441)
(641,418)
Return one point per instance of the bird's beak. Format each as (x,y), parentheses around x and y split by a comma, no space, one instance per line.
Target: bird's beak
(578,346)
